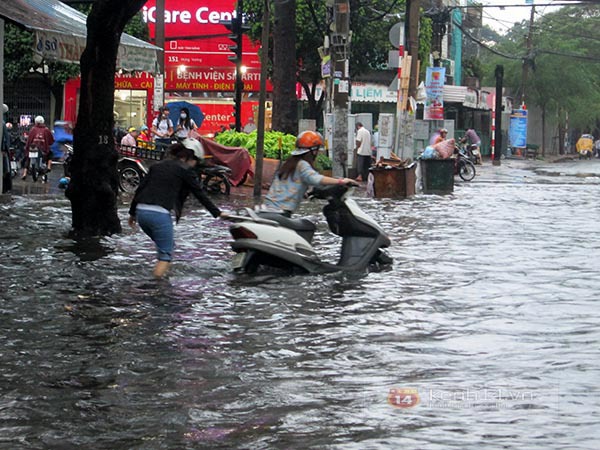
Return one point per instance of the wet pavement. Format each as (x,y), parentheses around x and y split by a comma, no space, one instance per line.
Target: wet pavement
(484,334)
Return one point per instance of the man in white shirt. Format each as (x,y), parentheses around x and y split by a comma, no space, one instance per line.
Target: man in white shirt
(363,152)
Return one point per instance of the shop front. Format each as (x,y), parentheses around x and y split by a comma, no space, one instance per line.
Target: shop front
(133,99)
(469,108)
(197,61)
(197,69)
(212,89)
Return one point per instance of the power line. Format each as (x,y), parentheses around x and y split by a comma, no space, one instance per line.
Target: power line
(563,3)
(534,51)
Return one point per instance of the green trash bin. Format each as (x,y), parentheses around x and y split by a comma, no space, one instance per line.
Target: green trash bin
(437,176)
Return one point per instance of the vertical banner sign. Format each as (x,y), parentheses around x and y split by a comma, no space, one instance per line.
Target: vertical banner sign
(326,66)
(159,92)
(434,88)
(517,132)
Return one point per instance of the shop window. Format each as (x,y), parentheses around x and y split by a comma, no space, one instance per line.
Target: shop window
(130,108)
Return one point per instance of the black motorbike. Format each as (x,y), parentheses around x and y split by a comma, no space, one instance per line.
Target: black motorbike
(463,166)
(36,165)
(214,178)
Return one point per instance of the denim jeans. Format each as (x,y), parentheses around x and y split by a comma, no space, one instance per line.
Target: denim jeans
(159,226)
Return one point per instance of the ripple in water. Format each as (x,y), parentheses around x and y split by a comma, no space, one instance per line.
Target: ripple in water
(488,319)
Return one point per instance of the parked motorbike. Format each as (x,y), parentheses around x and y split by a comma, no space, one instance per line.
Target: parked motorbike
(273,240)
(131,171)
(68,155)
(471,151)
(214,178)
(463,166)
(14,163)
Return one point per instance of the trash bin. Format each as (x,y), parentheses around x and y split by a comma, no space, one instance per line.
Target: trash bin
(437,175)
(394,182)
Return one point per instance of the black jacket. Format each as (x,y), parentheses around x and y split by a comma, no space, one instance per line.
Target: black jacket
(168,184)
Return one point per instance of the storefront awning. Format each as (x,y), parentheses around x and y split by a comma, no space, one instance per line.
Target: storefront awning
(61,33)
(466,96)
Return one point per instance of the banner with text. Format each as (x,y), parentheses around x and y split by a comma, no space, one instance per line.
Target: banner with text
(434,88)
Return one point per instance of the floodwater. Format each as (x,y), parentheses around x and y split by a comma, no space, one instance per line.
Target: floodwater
(484,334)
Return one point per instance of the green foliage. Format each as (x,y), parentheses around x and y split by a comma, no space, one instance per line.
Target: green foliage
(563,67)
(472,67)
(18,53)
(248,141)
(136,27)
(323,162)
(271,149)
(19,57)
(370,24)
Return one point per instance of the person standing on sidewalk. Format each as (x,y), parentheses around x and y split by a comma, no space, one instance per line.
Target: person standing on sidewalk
(363,152)
(5,147)
(162,128)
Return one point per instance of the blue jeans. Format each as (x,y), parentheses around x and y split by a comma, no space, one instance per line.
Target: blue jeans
(159,227)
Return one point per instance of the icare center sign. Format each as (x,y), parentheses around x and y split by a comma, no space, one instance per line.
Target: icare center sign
(197,51)
(197,46)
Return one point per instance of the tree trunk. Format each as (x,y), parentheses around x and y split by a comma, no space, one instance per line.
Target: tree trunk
(315,106)
(561,133)
(93,188)
(285,112)
(543,130)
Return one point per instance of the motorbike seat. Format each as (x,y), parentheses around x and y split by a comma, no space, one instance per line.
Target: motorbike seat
(301,224)
(215,169)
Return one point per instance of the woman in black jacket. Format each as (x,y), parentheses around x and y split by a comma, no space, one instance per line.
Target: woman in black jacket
(163,190)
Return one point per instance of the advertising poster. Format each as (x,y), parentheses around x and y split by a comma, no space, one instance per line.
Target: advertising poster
(517,132)
(434,88)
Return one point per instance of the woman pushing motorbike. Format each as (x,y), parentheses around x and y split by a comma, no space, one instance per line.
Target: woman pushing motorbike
(164,190)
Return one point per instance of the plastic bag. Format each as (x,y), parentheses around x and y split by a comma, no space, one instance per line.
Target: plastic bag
(445,149)
(429,153)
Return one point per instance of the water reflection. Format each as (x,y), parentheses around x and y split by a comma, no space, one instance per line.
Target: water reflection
(489,313)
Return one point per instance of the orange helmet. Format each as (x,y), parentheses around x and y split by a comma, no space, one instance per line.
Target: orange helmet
(307,141)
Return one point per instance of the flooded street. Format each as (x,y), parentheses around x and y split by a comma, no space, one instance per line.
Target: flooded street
(485,334)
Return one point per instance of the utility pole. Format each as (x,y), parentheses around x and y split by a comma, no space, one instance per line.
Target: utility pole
(439,16)
(412,31)
(497,122)
(260,132)
(159,34)
(339,42)
(159,41)
(236,27)
(528,58)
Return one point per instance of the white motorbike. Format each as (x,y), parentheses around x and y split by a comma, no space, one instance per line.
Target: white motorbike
(273,240)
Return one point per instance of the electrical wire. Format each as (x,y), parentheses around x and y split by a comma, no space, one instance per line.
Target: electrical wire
(535,51)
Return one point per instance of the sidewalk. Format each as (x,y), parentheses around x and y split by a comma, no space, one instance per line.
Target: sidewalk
(551,169)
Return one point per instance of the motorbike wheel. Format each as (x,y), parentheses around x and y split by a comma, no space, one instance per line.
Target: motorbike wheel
(130,178)
(217,184)
(34,171)
(466,170)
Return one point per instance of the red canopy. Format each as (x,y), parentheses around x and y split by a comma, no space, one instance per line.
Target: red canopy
(236,158)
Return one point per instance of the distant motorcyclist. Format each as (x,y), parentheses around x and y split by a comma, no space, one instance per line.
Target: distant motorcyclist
(585,145)
(40,137)
(472,139)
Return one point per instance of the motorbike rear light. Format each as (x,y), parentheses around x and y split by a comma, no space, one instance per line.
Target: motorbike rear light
(242,233)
